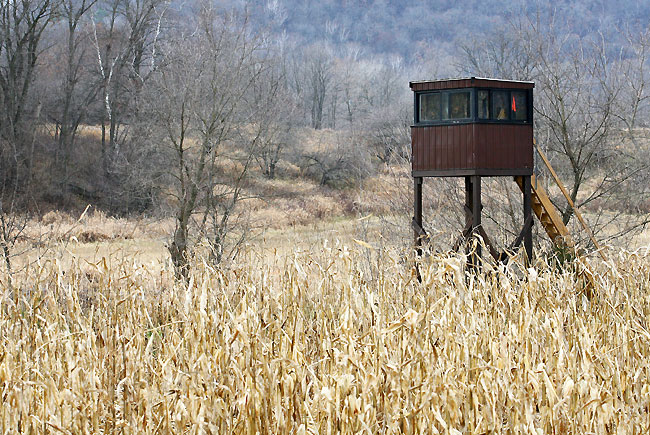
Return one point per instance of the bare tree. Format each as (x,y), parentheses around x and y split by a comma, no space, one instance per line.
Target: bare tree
(348,74)
(125,48)
(76,91)
(276,118)
(318,78)
(579,120)
(22,25)
(211,126)
(278,137)
(12,226)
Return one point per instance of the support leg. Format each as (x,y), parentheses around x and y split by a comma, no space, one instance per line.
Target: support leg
(473,216)
(469,219)
(417,211)
(476,216)
(469,223)
(528,229)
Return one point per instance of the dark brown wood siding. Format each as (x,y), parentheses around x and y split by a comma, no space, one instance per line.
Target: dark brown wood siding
(476,147)
(442,147)
(472,146)
(503,146)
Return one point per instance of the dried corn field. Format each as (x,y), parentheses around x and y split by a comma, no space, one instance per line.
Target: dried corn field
(326,343)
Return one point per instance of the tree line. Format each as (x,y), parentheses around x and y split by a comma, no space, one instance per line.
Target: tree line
(134,103)
(139,105)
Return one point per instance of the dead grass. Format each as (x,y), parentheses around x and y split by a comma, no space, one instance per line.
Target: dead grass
(92,225)
(321,342)
(319,328)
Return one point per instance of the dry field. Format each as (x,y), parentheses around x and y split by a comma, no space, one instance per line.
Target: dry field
(320,327)
(322,337)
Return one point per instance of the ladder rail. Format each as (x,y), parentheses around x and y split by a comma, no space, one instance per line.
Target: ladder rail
(547,214)
(569,200)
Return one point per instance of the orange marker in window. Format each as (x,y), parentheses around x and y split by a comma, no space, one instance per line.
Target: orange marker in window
(514,106)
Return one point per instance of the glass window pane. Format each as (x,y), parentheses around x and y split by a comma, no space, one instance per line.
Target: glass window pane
(483,105)
(459,105)
(500,107)
(445,105)
(518,106)
(429,107)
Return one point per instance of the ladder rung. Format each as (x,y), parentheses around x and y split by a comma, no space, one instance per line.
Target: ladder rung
(546,213)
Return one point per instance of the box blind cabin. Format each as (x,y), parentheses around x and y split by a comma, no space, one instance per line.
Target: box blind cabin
(473,127)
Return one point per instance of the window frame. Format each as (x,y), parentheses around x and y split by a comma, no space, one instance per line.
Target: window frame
(492,103)
(473,119)
(528,106)
(418,106)
(489,104)
(444,100)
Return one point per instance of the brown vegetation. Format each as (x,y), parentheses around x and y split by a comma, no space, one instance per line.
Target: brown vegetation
(307,343)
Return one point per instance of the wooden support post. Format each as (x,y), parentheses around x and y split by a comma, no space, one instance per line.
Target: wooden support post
(528,218)
(469,223)
(476,216)
(417,211)
(468,202)
(473,217)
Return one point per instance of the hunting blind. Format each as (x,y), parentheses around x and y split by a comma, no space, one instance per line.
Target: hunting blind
(473,128)
(478,127)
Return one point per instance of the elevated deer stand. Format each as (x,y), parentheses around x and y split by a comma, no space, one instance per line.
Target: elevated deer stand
(473,128)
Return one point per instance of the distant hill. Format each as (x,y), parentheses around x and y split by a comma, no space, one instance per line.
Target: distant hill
(392,27)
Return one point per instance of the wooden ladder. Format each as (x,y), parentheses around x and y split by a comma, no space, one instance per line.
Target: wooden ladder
(546,213)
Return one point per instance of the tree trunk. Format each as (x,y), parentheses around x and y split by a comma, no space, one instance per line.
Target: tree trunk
(178,250)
